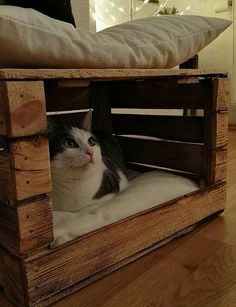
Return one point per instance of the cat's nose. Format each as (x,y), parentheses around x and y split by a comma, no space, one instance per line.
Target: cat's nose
(90,152)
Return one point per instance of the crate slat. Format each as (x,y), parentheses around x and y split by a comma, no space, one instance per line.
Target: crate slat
(101,74)
(12,278)
(26,227)
(221,94)
(187,157)
(178,128)
(24,169)
(160,94)
(24,111)
(220,138)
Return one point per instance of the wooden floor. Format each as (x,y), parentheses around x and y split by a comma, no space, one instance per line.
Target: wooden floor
(198,269)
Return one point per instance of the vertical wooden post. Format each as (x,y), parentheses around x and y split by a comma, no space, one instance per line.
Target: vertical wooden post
(216,131)
(25,177)
(100,99)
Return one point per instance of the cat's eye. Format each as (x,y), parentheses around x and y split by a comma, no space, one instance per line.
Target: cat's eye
(70,143)
(92,141)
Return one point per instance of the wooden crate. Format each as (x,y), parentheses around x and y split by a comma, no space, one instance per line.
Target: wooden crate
(34,274)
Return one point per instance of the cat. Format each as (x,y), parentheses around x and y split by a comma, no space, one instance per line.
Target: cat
(86,169)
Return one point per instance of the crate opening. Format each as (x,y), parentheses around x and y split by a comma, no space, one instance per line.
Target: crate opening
(156,162)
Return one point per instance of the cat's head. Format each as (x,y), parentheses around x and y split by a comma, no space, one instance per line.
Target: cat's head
(73,147)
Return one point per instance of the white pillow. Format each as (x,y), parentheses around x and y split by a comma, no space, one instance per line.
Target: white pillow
(30,39)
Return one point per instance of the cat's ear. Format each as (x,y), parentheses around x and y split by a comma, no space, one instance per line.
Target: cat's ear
(86,123)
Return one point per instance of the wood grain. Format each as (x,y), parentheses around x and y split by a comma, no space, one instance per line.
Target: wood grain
(175,155)
(24,169)
(24,110)
(12,279)
(98,74)
(221,136)
(3,111)
(221,89)
(6,179)
(31,164)
(26,227)
(178,128)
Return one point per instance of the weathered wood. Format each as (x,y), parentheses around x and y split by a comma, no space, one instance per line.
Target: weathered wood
(66,265)
(220,172)
(30,161)
(188,80)
(216,129)
(160,94)
(216,139)
(24,108)
(179,128)
(13,280)
(26,227)
(100,100)
(6,179)
(221,94)
(112,268)
(73,83)
(101,74)
(3,111)
(25,170)
(181,156)
(220,137)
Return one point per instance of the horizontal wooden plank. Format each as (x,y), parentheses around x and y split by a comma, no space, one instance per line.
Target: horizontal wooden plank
(64,266)
(63,99)
(160,94)
(221,94)
(148,168)
(24,169)
(30,164)
(97,74)
(179,128)
(176,155)
(26,227)
(24,108)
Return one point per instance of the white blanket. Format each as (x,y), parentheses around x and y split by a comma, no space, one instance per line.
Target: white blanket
(144,192)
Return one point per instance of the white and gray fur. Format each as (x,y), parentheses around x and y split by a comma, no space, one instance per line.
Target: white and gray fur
(83,171)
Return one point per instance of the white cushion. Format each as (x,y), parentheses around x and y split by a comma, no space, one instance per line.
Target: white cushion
(31,39)
(144,192)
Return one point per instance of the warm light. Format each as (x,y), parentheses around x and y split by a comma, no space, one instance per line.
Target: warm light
(187,9)
(94,16)
(113,18)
